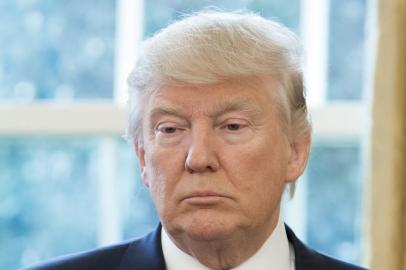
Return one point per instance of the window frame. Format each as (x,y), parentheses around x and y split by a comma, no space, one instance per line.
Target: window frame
(101,118)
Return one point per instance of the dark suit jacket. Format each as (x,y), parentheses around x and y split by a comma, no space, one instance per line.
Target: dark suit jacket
(146,254)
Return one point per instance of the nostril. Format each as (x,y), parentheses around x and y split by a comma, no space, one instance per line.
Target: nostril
(201,163)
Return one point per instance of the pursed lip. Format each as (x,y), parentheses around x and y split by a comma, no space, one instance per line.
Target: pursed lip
(205,197)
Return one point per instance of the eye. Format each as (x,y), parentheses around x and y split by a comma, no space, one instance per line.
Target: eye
(236,130)
(168,130)
(233,127)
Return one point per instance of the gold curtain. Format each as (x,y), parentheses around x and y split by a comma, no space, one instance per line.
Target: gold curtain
(388,141)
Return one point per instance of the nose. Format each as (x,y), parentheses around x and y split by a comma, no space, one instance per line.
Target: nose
(202,155)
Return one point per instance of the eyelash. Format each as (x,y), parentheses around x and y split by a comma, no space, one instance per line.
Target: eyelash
(231,127)
(234,127)
(167,128)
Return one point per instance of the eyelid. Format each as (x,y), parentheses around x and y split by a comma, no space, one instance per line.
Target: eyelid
(168,124)
(242,123)
(235,120)
(171,120)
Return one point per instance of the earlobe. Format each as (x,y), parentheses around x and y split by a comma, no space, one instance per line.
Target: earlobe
(140,152)
(299,155)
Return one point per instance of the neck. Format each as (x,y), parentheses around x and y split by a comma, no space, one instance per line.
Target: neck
(226,253)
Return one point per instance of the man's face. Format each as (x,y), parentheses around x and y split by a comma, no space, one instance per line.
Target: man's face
(216,159)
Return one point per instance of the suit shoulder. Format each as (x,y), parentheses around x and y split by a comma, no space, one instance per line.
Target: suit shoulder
(334,264)
(307,258)
(101,258)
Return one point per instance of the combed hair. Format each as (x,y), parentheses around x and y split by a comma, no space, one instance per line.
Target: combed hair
(211,47)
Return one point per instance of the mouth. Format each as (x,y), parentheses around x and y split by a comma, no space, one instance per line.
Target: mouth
(205,198)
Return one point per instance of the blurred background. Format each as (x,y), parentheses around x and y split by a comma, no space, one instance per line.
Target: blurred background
(69,182)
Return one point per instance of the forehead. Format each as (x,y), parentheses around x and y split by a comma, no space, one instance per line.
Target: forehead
(230,95)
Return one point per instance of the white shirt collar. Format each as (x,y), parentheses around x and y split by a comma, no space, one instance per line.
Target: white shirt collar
(275,254)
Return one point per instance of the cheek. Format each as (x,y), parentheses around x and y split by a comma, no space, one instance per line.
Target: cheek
(260,191)
(259,170)
(163,170)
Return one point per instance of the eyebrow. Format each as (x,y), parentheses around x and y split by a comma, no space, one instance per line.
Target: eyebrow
(220,108)
(237,105)
(167,110)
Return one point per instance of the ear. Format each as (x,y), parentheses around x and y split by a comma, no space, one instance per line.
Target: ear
(299,154)
(140,152)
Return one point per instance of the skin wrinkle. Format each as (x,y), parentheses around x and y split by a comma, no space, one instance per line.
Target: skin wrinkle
(220,108)
(251,83)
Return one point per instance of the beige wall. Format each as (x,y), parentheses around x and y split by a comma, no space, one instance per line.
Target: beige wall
(388,141)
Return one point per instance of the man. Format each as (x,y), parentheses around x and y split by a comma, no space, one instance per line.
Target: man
(219,123)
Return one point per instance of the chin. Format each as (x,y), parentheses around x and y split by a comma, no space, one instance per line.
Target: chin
(208,226)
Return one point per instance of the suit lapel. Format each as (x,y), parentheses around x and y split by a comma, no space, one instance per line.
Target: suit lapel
(305,258)
(145,253)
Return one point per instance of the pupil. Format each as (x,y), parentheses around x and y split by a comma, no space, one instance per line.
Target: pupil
(170,130)
(233,126)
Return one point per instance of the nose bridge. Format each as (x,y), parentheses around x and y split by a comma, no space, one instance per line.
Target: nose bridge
(201,155)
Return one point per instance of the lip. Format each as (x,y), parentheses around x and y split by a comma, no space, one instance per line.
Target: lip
(205,197)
